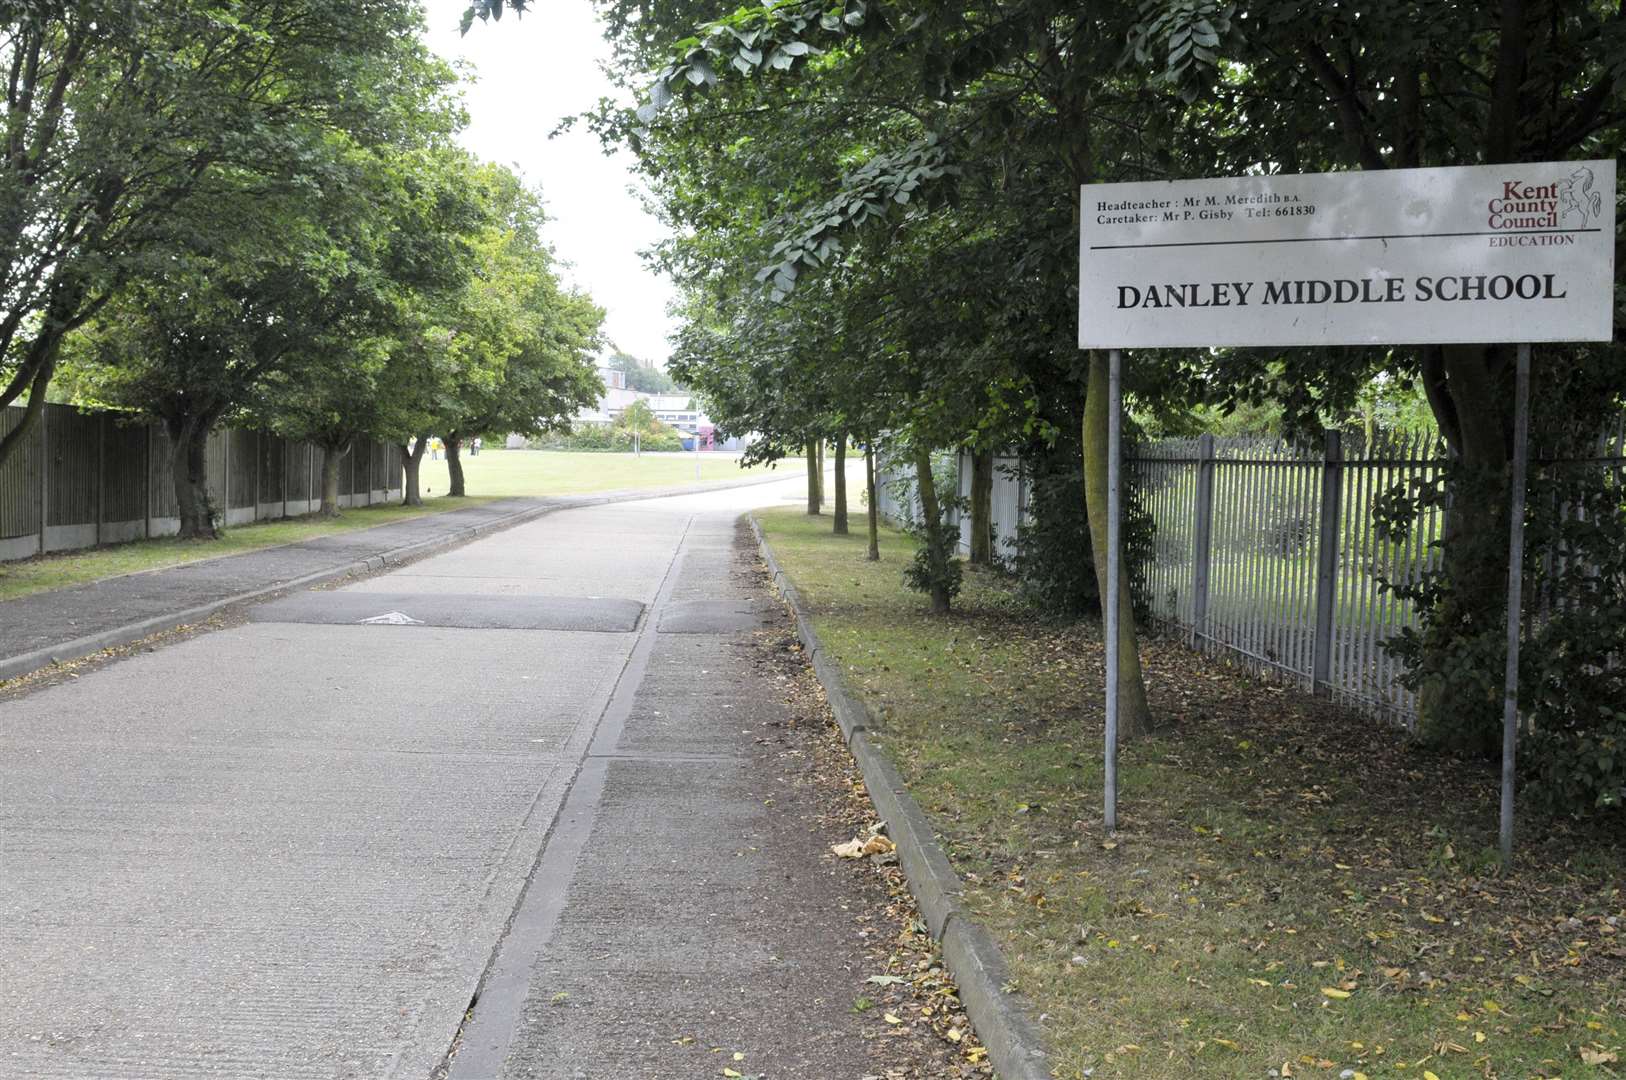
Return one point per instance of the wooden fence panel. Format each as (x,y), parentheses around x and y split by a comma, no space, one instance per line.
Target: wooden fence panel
(86,477)
(19,492)
(123,480)
(73,449)
(243,457)
(272,455)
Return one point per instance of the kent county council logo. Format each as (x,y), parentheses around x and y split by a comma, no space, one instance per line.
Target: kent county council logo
(1570,203)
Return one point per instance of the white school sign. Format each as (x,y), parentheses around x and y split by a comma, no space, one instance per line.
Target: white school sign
(1492,253)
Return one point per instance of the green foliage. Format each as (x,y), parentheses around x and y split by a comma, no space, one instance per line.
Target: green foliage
(637,419)
(1054,567)
(490,11)
(1190,30)
(877,216)
(1571,681)
(129,123)
(608,438)
(641,376)
(936,564)
(1055,561)
(922,574)
(522,345)
(1573,684)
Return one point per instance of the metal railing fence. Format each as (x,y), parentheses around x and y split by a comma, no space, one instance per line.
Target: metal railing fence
(86,477)
(1269,553)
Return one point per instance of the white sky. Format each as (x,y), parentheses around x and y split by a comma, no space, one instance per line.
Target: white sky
(531,73)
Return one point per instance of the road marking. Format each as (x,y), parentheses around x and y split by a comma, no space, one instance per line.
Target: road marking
(393,618)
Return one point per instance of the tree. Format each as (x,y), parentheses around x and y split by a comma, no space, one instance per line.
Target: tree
(276,291)
(958,106)
(384,367)
(1407,84)
(216,327)
(120,116)
(523,346)
(642,376)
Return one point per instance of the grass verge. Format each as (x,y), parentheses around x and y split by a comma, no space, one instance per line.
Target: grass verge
(1293,888)
(63,569)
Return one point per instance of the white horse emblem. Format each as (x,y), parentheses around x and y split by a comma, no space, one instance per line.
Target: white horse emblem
(1575,196)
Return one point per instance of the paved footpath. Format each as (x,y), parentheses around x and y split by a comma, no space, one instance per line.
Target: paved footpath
(292,848)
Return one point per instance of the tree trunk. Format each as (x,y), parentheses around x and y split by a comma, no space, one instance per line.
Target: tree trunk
(874,505)
(39,358)
(820,471)
(982,508)
(454,464)
(1134,717)
(932,512)
(412,464)
(331,457)
(189,471)
(1474,412)
(814,498)
(841,484)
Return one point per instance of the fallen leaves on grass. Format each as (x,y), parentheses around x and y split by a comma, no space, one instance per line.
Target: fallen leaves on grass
(1271,833)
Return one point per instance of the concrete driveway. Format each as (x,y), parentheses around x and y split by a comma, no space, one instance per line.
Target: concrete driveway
(291,848)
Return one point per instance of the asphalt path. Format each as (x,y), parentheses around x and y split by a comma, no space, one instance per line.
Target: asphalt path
(303,845)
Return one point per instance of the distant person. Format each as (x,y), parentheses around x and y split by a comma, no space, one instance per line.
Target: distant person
(474,451)
(434,449)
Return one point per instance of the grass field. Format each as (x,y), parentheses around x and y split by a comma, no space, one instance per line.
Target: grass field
(493,474)
(558,472)
(1294,891)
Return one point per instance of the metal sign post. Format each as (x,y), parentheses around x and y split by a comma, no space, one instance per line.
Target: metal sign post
(1515,594)
(1114,499)
(1476,254)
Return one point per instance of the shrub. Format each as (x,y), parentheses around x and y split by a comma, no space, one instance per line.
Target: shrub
(1055,560)
(611,438)
(921,574)
(1572,680)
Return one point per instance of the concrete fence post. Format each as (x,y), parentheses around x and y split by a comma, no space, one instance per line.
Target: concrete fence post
(146,497)
(101,473)
(259,460)
(45,473)
(1202,535)
(1326,578)
(225,475)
